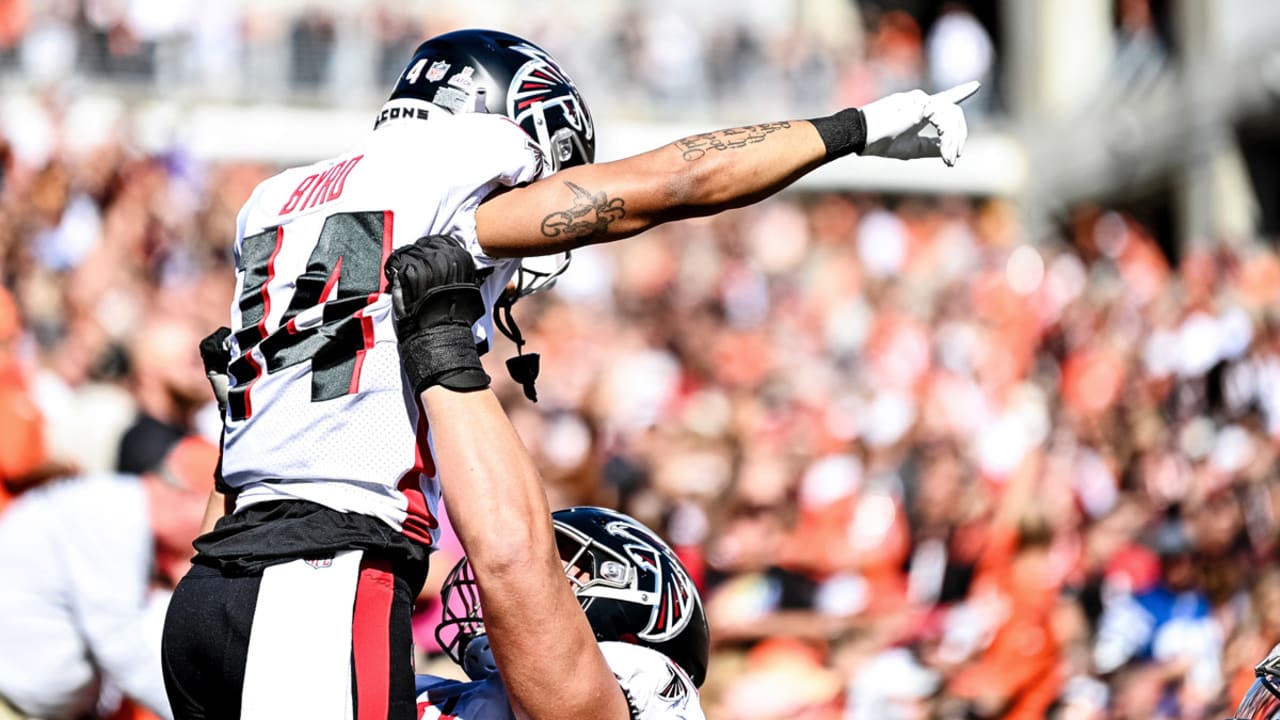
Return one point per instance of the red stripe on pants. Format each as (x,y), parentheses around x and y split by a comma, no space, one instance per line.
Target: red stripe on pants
(371,639)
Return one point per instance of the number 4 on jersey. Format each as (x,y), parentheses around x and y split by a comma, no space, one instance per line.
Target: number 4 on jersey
(325,321)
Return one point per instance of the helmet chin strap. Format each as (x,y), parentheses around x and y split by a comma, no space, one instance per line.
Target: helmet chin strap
(522,368)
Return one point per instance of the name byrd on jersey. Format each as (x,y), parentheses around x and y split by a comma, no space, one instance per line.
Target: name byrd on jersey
(322,188)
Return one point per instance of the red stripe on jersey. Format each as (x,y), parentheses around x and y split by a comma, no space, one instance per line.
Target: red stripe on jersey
(257,373)
(371,639)
(327,293)
(366,327)
(366,322)
(418,520)
(262,323)
(422,453)
(266,286)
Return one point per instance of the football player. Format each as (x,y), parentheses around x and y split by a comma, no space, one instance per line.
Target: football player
(1262,702)
(641,606)
(640,648)
(327,469)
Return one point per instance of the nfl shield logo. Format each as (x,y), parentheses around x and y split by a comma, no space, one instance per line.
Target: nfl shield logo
(436,72)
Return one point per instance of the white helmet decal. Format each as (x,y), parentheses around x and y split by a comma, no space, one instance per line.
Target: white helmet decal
(540,86)
(672,598)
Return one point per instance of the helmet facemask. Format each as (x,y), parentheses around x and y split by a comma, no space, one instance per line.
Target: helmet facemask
(629,583)
(594,571)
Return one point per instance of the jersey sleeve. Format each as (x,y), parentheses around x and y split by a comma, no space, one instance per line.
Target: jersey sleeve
(656,688)
(517,158)
(508,158)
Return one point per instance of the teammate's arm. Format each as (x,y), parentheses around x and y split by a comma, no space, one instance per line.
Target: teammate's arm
(541,640)
(543,645)
(705,174)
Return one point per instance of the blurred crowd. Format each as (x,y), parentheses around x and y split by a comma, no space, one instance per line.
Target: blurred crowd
(643,60)
(919,466)
(924,469)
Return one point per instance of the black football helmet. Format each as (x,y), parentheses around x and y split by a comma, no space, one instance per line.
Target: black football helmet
(631,585)
(1262,702)
(490,71)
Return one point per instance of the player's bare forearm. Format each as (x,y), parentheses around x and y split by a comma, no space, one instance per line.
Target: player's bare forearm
(489,479)
(550,662)
(706,173)
(695,176)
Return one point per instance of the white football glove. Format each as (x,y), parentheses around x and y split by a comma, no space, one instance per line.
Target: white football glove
(895,123)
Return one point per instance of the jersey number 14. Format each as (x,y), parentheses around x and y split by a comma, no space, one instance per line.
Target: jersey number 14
(343,276)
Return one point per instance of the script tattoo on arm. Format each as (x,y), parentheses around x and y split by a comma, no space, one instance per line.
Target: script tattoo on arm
(695,147)
(590,215)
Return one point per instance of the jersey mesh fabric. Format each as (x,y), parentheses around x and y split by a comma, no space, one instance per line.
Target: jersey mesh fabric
(352,444)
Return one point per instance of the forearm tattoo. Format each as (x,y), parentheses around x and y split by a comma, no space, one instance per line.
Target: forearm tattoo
(695,146)
(591,214)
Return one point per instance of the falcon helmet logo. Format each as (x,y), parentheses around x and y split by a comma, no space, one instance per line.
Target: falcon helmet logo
(672,598)
(540,87)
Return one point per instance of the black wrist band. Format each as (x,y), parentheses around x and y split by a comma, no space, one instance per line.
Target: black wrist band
(843,133)
(444,355)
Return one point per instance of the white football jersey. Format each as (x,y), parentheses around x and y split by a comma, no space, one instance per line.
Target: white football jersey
(656,688)
(318,408)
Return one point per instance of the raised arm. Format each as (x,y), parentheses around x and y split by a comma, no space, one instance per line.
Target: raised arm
(544,648)
(543,645)
(705,174)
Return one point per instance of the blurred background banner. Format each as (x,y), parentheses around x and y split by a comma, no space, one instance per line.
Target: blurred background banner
(993,441)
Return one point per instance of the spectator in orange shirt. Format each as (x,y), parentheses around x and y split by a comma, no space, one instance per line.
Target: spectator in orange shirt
(1016,676)
(24,461)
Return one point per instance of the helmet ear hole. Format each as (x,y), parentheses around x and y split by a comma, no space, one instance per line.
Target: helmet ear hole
(562,146)
(477,659)
(613,572)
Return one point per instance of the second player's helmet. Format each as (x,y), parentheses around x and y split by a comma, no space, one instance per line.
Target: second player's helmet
(490,71)
(631,585)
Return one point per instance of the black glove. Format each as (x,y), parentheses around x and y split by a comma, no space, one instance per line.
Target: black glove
(215,353)
(437,300)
